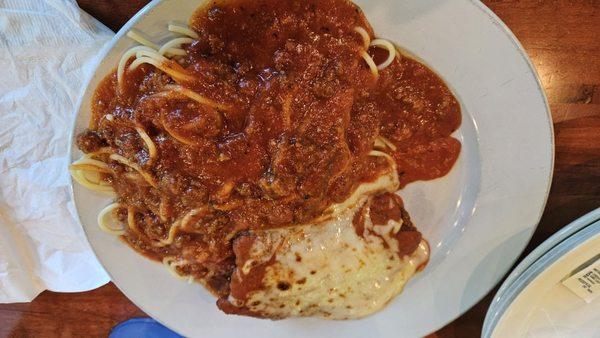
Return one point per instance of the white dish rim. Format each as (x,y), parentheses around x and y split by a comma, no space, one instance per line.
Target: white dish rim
(493,17)
(565,236)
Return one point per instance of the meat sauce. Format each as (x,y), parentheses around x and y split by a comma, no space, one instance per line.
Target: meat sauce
(389,207)
(300,112)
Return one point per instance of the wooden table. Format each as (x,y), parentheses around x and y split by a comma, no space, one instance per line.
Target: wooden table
(562,38)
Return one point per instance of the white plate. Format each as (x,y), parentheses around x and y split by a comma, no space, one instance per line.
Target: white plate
(536,304)
(500,302)
(477,219)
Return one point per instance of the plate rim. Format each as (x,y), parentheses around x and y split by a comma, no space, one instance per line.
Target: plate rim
(535,270)
(498,306)
(523,53)
(494,19)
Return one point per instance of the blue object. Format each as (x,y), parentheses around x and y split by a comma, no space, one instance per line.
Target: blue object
(142,328)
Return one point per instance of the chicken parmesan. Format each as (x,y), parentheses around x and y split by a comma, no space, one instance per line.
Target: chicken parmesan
(258,152)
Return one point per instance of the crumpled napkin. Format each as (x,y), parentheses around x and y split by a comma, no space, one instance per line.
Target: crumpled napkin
(47,51)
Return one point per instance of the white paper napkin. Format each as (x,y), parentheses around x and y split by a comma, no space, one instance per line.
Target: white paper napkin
(47,51)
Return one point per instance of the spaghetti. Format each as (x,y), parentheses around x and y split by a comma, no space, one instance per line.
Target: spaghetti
(223,130)
(367,43)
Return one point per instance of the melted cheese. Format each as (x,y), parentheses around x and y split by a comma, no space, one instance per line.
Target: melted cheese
(386,182)
(328,270)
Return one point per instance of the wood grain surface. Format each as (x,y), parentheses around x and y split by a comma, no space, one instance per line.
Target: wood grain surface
(562,37)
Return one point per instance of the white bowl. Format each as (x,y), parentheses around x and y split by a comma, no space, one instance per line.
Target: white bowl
(537,304)
(477,219)
(508,291)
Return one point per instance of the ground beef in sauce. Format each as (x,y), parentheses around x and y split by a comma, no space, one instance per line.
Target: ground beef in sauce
(89,141)
(303,113)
